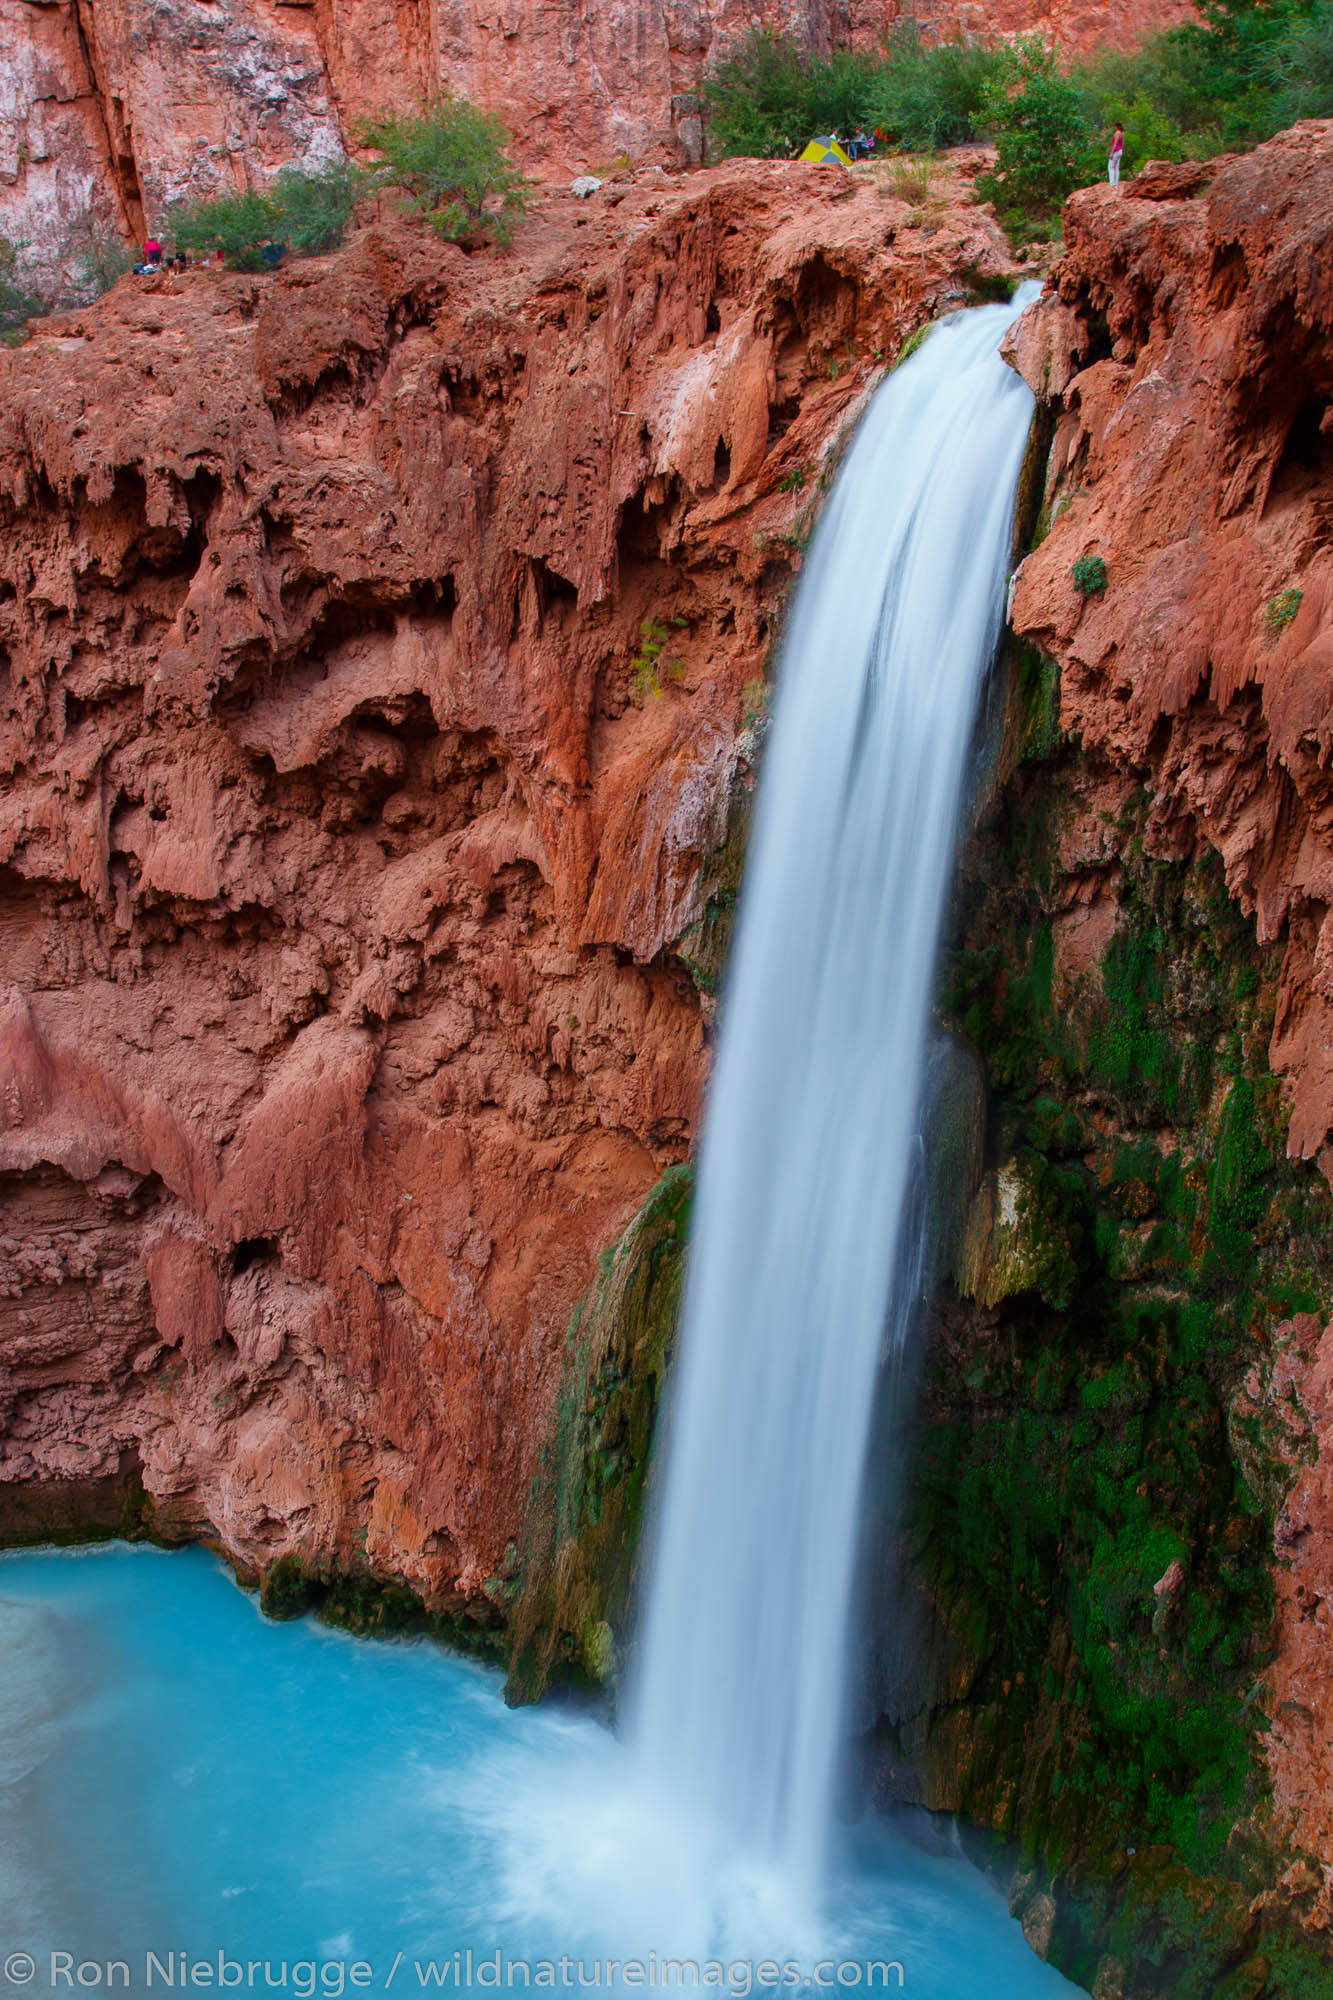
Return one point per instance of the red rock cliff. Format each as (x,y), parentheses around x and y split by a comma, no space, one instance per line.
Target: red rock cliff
(342,857)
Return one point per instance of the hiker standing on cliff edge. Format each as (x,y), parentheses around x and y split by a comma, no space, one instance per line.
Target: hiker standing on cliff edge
(1113,163)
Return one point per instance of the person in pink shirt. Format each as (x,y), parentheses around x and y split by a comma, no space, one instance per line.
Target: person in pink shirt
(1113,163)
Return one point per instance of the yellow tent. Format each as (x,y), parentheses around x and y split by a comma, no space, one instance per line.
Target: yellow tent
(826,152)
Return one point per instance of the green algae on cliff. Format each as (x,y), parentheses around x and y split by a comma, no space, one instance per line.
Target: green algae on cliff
(579,1543)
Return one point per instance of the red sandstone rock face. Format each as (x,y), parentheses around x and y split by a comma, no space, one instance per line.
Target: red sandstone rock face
(1186,342)
(109,109)
(340,868)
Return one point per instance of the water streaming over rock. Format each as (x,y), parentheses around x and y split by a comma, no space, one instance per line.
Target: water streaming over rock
(806,1156)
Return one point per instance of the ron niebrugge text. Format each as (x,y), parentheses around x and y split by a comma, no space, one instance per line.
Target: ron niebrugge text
(327,1978)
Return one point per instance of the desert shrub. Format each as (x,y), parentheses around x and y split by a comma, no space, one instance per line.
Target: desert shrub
(450,165)
(239,225)
(1037,121)
(909,178)
(18,304)
(1089,574)
(316,204)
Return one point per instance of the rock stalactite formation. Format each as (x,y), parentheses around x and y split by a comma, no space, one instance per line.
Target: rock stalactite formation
(110,109)
(379,640)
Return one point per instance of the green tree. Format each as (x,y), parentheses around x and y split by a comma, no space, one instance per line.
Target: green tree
(1037,120)
(1299,65)
(315,205)
(930,94)
(758,98)
(239,225)
(451,166)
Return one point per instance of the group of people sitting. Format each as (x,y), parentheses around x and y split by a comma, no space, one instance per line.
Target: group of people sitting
(153,259)
(861,144)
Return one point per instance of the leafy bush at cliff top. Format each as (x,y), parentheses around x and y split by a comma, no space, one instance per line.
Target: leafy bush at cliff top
(1035,116)
(306,209)
(451,167)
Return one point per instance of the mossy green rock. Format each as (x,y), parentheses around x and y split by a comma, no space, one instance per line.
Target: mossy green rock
(578,1549)
(1018,1236)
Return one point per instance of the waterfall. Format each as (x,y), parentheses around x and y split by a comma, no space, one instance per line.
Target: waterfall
(791,1303)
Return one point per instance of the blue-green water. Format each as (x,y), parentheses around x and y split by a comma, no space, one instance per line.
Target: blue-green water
(178,1775)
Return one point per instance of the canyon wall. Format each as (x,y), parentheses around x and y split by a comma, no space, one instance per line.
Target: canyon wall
(111,109)
(379,639)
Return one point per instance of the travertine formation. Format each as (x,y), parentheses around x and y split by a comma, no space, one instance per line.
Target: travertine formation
(110,109)
(1188,344)
(378,644)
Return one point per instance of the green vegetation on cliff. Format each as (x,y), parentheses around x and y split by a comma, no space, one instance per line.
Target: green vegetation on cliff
(1091,1505)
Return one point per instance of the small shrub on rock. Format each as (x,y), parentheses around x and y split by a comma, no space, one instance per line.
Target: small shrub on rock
(1089,574)
(1280,610)
(451,167)
(652,667)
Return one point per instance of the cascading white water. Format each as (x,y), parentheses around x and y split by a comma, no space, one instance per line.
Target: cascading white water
(735,1716)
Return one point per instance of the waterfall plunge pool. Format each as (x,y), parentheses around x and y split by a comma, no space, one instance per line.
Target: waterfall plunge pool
(179,1775)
